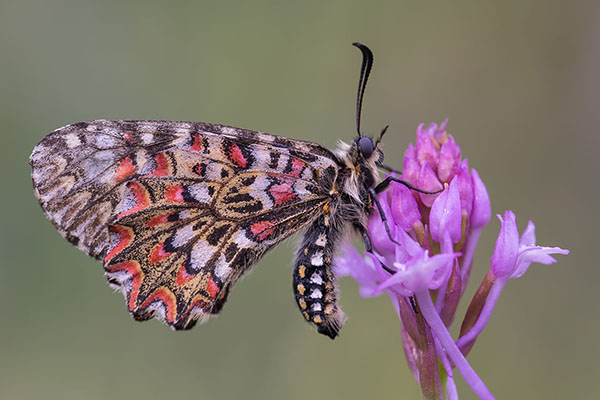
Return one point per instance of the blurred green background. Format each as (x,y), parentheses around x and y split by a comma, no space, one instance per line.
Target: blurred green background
(518,81)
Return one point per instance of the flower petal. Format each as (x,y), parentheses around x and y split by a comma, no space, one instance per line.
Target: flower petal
(411,170)
(504,259)
(376,228)
(420,273)
(347,262)
(426,151)
(535,254)
(446,214)
(366,271)
(405,210)
(528,236)
(428,181)
(465,187)
(448,161)
(481,212)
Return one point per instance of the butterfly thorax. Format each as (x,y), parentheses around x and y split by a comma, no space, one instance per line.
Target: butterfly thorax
(357,174)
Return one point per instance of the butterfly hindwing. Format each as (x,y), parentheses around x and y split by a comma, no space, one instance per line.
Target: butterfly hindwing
(177,211)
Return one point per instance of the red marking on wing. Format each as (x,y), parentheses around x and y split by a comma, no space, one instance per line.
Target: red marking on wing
(159,220)
(141,198)
(197,144)
(182,276)
(162,165)
(128,136)
(125,169)
(199,302)
(198,169)
(262,229)
(167,298)
(212,288)
(282,193)
(297,167)
(158,253)
(174,194)
(133,269)
(237,156)
(125,239)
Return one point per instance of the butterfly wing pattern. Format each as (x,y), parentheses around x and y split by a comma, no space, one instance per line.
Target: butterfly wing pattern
(178,211)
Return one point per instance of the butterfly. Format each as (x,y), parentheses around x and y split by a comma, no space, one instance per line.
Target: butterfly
(178,211)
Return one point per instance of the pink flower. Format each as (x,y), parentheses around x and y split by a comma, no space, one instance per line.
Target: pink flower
(511,259)
(513,256)
(430,253)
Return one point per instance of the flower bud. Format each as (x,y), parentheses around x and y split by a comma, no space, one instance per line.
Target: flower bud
(405,211)
(481,213)
(446,214)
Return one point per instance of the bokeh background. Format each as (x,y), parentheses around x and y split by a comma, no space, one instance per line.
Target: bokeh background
(518,81)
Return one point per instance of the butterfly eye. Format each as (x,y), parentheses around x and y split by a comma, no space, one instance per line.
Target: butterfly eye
(365,144)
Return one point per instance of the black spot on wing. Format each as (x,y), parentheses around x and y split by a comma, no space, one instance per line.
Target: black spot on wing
(303,156)
(200,224)
(231,251)
(217,234)
(240,197)
(274,159)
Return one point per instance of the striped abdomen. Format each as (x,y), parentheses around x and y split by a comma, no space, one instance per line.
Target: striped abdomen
(314,282)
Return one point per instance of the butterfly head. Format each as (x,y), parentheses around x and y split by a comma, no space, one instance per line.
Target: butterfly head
(365,151)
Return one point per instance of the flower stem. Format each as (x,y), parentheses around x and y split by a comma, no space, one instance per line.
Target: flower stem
(469,253)
(441,333)
(484,315)
(451,389)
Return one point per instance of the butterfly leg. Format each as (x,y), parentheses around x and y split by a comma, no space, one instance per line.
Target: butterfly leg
(389,169)
(382,215)
(314,282)
(368,246)
(386,182)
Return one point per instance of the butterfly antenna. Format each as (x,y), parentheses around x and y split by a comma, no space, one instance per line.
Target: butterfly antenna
(365,70)
(383,131)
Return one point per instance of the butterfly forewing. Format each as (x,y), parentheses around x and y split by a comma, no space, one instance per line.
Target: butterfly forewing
(177,211)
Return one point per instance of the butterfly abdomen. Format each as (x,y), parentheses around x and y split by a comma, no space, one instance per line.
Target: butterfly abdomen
(314,281)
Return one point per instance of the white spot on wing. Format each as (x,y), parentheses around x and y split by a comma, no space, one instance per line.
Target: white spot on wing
(201,253)
(307,174)
(183,235)
(98,163)
(128,200)
(141,159)
(316,294)
(283,161)
(222,268)
(242,240)
(213,171)
(259,191)
(72,140)
(158,308)
(147,138)
(184,214)
(124,280)
(199,191)
(105,141)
